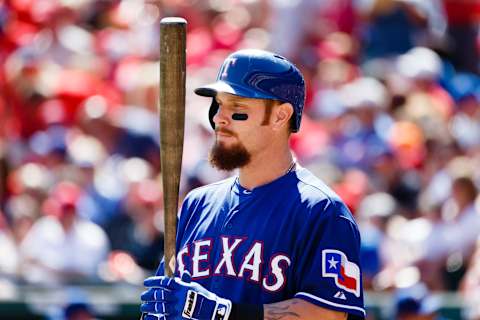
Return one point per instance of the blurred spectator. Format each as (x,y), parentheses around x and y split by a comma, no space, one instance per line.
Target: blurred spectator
(138,231)
(416,303)
(61,247)
(138,137)
(465,124)
(298,27)
(373,215)
(428,104)
(463,18)
(78,311)
(8,264)
(401,20)
(22,210)
(360,140)
(446,254)
(470,286)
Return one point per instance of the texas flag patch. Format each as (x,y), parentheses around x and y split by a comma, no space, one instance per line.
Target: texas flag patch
(346,274)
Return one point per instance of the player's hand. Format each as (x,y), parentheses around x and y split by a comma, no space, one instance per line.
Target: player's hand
(174,299)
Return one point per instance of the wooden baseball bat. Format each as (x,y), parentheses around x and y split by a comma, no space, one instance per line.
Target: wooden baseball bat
(172,123)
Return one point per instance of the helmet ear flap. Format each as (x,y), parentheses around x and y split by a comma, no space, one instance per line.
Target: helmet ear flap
(212,112)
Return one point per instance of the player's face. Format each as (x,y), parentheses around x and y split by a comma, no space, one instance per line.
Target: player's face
(237,140)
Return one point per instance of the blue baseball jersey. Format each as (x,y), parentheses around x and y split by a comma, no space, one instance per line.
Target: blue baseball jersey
(290,238)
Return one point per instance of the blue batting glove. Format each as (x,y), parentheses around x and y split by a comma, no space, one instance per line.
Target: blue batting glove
(175,299)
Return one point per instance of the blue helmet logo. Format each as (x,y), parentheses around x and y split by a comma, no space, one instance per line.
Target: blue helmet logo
(261,75)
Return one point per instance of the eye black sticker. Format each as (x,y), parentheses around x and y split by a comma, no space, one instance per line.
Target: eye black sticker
(239,116)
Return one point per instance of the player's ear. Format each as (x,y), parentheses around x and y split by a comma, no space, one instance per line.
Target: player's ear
(281,115)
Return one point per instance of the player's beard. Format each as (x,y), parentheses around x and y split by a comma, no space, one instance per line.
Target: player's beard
(228,158)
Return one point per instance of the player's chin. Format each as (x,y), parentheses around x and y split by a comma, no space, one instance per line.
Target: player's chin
(228,156)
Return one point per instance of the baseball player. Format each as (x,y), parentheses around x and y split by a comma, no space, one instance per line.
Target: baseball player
(273,242)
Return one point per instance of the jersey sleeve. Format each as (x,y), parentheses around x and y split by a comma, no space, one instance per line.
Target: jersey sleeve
(327,270)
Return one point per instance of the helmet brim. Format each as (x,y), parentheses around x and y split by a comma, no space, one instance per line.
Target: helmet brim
(211,90)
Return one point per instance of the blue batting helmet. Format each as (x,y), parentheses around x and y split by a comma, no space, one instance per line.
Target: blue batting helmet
(261,75)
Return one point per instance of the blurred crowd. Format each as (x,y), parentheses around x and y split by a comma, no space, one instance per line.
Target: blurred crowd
(392,123)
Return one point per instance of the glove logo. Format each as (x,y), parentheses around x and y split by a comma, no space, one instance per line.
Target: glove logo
(220,313)
(189,304)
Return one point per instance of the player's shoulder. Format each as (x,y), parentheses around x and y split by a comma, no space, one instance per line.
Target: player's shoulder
(212,190)
(316,194)
(313,186)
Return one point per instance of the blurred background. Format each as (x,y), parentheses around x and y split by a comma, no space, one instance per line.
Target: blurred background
(392,123)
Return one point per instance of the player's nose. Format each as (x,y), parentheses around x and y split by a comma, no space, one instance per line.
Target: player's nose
(221,118)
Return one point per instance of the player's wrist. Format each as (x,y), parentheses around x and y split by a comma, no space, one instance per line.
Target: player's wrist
(246,311)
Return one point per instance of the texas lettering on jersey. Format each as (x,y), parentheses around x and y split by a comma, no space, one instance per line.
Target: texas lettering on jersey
(250,265)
